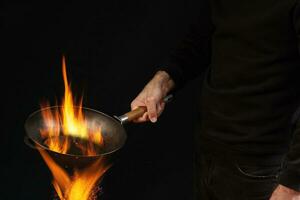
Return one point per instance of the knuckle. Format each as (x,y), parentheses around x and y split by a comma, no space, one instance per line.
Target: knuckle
(150,99)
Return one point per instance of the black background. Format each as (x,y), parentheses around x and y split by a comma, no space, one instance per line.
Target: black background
(112,48)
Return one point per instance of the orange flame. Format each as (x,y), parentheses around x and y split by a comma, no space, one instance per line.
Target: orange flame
(64,128)
(69,121)
(81,185)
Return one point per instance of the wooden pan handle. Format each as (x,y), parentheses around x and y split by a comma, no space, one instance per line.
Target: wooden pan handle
(136,113)
(130,116)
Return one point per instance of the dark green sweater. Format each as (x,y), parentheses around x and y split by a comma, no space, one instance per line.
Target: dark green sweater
(249,53)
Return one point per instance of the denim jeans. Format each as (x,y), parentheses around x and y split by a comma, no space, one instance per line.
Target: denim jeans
(221,178)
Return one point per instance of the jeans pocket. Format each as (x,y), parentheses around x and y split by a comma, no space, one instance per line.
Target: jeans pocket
(258,171)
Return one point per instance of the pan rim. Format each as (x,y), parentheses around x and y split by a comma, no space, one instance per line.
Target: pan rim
(68,154)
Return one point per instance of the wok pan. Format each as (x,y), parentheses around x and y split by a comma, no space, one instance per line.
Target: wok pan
(112,129)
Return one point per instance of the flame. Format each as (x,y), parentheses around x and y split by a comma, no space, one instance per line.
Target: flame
(69,121)
(52,132)
(65,129)
(79,187)
(73,120)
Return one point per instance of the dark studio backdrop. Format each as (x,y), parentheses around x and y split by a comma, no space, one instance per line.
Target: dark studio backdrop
(111,48)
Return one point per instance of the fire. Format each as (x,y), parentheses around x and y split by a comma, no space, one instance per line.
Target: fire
(68,121)
(81,185)
(65,129)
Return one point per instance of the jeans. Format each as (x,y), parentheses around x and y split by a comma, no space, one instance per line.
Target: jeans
(221,178)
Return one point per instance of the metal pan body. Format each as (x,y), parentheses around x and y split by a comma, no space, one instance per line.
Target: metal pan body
(113,133)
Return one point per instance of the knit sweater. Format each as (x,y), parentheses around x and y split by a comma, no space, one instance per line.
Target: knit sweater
(248,52)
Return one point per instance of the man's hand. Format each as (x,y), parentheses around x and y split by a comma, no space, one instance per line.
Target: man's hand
(152,96)
(285,193)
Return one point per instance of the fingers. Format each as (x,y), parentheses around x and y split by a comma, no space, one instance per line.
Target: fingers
(137,103)
(144,118)
(151,104)
(153,109)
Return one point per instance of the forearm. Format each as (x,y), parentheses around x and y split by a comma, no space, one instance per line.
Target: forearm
(192,56)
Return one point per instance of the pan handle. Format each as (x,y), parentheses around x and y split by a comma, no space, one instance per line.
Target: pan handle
(138,112)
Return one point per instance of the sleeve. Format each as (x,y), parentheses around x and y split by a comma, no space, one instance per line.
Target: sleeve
(192,55)
(290,176)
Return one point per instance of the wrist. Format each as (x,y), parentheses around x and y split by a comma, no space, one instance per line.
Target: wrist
(288,190)
(165,81)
